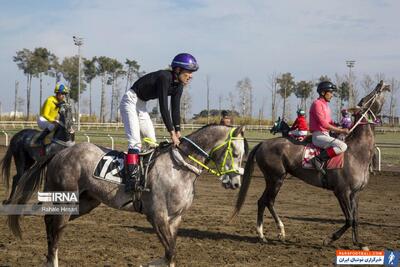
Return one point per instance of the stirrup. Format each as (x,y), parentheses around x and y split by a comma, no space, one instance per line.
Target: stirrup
(318,165)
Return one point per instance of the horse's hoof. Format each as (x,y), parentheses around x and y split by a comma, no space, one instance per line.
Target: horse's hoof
(6,201)
(364,248)
(281,237)
(327,241)
(263,240)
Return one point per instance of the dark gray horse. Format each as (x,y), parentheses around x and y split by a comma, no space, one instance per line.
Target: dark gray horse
(281,156)
(170,180)
(25,155)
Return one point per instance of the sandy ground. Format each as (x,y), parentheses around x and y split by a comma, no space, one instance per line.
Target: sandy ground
(108,237)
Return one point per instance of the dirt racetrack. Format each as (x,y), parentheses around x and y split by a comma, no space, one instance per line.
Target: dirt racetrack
(108,237)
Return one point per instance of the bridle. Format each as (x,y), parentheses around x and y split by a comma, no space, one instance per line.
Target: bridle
(221,169)
(365,114)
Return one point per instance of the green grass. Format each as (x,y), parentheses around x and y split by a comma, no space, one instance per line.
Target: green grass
(99,136)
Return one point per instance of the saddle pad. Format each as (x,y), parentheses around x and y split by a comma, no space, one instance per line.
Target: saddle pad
(111,167)
(310,151)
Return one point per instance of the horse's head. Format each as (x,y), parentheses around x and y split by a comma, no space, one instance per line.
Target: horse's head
(373,102)
(228,157)
(280,126)
(66,119)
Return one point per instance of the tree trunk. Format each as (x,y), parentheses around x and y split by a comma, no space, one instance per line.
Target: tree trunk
(90,99)
(102,101)
(15,100)
(112,100)
(28,96)
(40,91)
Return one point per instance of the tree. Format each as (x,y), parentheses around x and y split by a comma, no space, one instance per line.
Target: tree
(302,91)
(394,86)
(323,78)
(186,105)
(133,72)
(343,92)
(273,86)
(24,60)
(15,98)
(245,96)
(367,83)
(69,69)
(114,70)
(286,86)
(103,70)
(90,72)
(44,63)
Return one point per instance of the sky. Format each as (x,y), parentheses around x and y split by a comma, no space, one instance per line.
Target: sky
(230,39)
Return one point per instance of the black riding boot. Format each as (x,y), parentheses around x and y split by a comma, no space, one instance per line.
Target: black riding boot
(42,136)
(319,160)
(131,170)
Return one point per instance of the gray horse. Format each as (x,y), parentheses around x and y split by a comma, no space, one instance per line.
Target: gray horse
(281,156)
(25,155)
(170,180)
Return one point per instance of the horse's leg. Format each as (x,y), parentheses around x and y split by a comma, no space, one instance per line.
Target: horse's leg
(167,233)
(22,163)
(55,225)
(273,186)
(354,209)
(344,201)
(86,204)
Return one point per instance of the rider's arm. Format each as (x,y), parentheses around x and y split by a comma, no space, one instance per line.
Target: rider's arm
(295,124)
(47,108)
(162,85)
(176,108)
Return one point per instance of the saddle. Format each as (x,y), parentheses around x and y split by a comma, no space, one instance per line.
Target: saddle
(310,151)
(111,167)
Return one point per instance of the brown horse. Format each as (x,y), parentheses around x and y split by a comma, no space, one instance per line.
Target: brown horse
(281,156)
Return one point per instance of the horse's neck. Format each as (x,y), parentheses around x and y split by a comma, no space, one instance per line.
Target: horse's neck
(363,137)
(205,141)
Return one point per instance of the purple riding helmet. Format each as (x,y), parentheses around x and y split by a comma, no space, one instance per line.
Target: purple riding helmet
(185,61)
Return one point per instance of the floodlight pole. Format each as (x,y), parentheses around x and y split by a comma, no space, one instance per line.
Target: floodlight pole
(350,64)
(78,41)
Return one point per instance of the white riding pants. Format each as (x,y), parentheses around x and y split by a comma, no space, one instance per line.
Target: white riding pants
(323,140)
(136,120)
(298,133)
(45,124)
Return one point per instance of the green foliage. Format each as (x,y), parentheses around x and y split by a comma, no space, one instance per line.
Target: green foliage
(25,61)
(213,113)
(69,68)
(44,61)
(89,69)
(343,91)
(303,89)
(286,85)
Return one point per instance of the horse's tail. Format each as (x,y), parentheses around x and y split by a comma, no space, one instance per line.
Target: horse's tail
(248,170)
(6,168)
(28,185)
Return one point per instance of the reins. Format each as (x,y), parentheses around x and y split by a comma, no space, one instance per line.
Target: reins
(217,170)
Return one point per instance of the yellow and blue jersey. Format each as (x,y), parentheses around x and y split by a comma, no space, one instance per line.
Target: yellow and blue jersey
(49,109)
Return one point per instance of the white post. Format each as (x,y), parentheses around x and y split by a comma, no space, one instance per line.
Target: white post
(379,158)
(87,137)
(112,141)
(6,136)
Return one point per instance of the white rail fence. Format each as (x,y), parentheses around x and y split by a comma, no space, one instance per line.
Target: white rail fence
(250,140)
(4,125)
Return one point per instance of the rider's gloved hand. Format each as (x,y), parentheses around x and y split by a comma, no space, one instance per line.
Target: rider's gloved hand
(344,131)
(174,138)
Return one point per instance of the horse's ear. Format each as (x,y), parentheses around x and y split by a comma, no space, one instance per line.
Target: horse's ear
(238,130)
